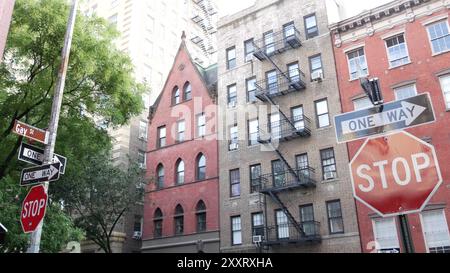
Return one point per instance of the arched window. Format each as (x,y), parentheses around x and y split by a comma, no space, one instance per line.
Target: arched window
(187,91)
(180,172)
(201,167)
(175,95)
(200,212)
(160,177)
(157,223)
(179,220)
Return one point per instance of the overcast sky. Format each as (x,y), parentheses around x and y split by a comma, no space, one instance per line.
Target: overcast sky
(353,6)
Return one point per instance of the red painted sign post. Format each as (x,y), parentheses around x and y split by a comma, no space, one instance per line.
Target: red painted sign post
(33,208)
(30,132)
(395,174)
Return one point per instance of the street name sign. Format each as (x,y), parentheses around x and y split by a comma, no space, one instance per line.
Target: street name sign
(33,208)
(35,155)
(30,132)
(395,174)
(395,115)
(40,174)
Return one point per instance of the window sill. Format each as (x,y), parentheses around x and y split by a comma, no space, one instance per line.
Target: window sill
(324,128)
(330,180)
(399,66)
(439,53)
(233,198)
(355,79)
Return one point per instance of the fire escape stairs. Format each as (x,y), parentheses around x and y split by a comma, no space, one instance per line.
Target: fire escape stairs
(291,218)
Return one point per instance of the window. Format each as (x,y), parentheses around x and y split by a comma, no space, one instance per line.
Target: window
(311,28)
(255,178)
(275,126)
(181,127)
(201,125)
(231,58)
(143,130)
(288,30)
(162,136)
(248,50)
(439,36)
(335,221)
(257,224)
(435,231)
(302,165)
(357,63)
(278,173)
(201,167)
(323,118)
(235,183)
(315,64)
(234,144)
(297,117)
(236,230)
(328,164)
(294,72)
(141,159)
(272,82)
(180,172)
(397,51)
(362,103)
(282,225)
(160,177)
(269,44)
(404,92)
(253,132)
(137,227)
(251,89)
(232,95)
(113,19)
(307,220)
(176,96)
(445,86)
(200,212)
(385,234)
(187,91)
(157,223)
(179,220)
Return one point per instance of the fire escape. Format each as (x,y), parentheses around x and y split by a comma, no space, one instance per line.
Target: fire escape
(282,128)
(202,15)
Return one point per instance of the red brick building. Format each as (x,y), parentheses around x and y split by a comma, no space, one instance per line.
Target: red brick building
(181,209)
(406,44)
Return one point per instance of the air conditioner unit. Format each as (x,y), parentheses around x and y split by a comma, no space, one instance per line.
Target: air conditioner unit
(142,166)
(233,146)
(328,175)
(232,104)
(257,239)
(137,235)
(317,76)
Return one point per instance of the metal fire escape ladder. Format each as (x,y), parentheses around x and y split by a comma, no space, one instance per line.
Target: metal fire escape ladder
(291,218)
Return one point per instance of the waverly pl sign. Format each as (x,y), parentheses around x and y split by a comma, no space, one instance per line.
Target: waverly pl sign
(395,115)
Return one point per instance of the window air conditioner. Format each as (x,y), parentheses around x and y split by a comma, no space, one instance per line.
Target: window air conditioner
(137,235)
(328,175)
(233,146)
(317,76)
(257,239)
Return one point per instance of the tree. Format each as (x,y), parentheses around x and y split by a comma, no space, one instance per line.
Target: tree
(100,194)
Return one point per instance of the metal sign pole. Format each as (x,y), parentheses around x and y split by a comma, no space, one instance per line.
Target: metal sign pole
(406,234)
(54,119)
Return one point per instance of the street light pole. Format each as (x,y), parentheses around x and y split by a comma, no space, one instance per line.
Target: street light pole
(54,118)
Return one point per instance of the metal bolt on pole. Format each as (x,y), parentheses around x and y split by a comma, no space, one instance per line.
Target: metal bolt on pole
(56,109)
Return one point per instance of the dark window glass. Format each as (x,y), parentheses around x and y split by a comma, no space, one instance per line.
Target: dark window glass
(235,183)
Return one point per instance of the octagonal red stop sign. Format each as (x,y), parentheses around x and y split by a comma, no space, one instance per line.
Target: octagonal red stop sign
(33,208)
(395,174)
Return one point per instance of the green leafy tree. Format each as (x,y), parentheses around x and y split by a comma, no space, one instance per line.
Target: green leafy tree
(100,194)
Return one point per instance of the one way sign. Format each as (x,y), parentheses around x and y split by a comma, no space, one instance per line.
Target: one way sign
(40,174)
(396,115)
(35,155)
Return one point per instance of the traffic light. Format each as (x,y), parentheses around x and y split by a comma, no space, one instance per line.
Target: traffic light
(372,89)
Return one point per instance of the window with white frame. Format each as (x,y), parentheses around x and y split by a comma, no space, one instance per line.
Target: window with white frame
(236,230)
(141,159)
(201,125)
(362,103)
(397,51)
(253,127)
(248,50)
(311,28)
(258,224)
(282,224)
(181,126)
(251,89)
(445,86)
(322,114)
(435,231)
(143,130)
(439,36)
(269,42)
(357,63)
(234,144)
(405,91)
(385,235)
(231,57)
(232,95)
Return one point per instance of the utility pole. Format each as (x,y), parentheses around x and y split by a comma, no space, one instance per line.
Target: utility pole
(54,118)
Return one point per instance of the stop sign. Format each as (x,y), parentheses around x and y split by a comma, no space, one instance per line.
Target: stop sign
(395,174)
(33,208)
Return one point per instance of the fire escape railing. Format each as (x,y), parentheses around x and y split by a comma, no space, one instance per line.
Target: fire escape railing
(285,129)
(278,43)
(288,233)
(281,84)
(305,178)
